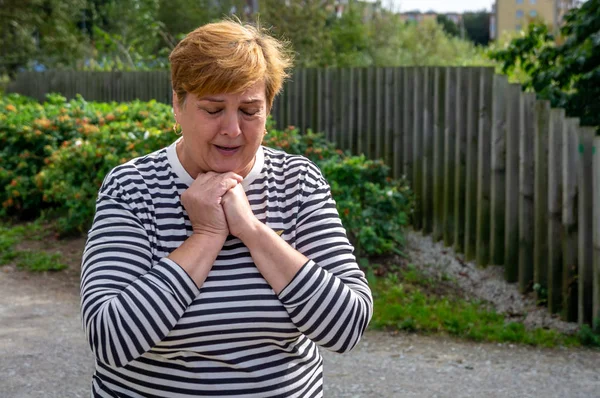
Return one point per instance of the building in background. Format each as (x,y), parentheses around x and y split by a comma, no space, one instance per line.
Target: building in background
(418,16)
(515,15)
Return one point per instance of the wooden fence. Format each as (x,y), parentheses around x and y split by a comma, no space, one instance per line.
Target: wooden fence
(499,175)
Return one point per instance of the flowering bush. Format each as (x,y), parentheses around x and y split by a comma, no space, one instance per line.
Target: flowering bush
(55,156)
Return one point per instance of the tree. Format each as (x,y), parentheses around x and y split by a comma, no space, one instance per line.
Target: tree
(350,39)
(448,25)
(565,71)
(40,32)
(305,23)
(477,27)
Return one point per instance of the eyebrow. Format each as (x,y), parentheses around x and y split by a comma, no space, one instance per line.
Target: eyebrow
(248,101)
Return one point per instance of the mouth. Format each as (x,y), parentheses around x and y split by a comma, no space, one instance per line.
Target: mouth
(227,150)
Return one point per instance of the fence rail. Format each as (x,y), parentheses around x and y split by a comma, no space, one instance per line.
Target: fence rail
(498,175)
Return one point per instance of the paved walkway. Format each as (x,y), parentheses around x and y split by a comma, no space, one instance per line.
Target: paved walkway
(43,354)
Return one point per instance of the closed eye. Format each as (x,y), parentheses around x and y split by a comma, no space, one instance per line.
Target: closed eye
(249,113)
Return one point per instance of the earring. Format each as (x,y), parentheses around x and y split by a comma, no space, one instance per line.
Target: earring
(177,128)
(266,132)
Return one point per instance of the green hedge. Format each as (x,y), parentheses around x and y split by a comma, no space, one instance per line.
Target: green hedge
(55,156)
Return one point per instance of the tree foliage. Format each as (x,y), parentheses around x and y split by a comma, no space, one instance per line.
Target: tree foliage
(564,70)
(38,32)
(448,25)
(477,27)
(139,34)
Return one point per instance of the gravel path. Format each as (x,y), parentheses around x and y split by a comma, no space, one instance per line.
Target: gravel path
(43,354)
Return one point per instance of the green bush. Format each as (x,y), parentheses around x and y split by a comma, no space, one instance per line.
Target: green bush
(57,154)
(373,207)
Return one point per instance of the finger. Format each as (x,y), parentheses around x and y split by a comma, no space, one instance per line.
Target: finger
(224,185)
(233,175)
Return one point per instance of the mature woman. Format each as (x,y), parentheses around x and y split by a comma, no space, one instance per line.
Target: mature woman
(215,266)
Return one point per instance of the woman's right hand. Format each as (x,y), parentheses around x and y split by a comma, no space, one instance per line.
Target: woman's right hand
(202,201)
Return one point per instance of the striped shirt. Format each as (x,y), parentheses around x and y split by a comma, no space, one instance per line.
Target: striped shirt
(154,333)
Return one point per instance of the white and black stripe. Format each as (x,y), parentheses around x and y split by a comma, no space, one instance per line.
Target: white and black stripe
(155,334)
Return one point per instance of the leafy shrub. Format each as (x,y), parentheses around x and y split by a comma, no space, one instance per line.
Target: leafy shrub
(374,208)
(58,153)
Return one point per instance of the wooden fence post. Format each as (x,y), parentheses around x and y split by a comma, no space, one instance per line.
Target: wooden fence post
(484,147)
(438,152)
(540,240)
(471,166)
(596,217)
(389,103)
(449,155)
(408,121)
(417,149)
(372,91)
(498,174)
(526,190)
(460,157)
(379,127)
(569,219)
(361,110)
(585,225)
(398,121)
(555,259)
(428,162)
(511,226)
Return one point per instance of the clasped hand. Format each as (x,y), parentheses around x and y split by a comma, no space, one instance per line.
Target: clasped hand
(217,205)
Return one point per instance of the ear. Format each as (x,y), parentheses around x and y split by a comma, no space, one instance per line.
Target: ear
(176,107)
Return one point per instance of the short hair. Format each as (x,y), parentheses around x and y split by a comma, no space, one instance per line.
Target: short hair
(229,57)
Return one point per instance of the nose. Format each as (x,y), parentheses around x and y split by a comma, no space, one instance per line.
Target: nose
(231,124)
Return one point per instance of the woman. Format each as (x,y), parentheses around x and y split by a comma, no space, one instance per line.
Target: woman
(215,266)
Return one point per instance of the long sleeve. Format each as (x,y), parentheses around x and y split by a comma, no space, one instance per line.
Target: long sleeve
(128,304)
(329,299)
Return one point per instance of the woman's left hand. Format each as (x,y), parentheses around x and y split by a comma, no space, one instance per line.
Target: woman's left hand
(240,219)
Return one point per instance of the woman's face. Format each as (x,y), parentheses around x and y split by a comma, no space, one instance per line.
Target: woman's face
(221,132)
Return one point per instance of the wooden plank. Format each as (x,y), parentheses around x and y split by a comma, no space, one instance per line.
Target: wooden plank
(417,149)
(569,219)
(340,100)
(398,122)
(460,158)
(596,234)
(527,120)
(388,141)
(540,240)
(484,148)
(328,109)
(585,225)
(511,226)
(372,92)
(449,155)
(407,134)
(319,100)
(353,112)
(428,162)
(302,102)
(379,126)
(555,259)
(498,170)
(471,165)
(438,152)
(361,111)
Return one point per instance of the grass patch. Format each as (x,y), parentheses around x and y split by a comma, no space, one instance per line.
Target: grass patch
(410,301)
(30,260)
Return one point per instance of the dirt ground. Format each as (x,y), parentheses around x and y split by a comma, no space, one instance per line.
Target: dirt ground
(43,353)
